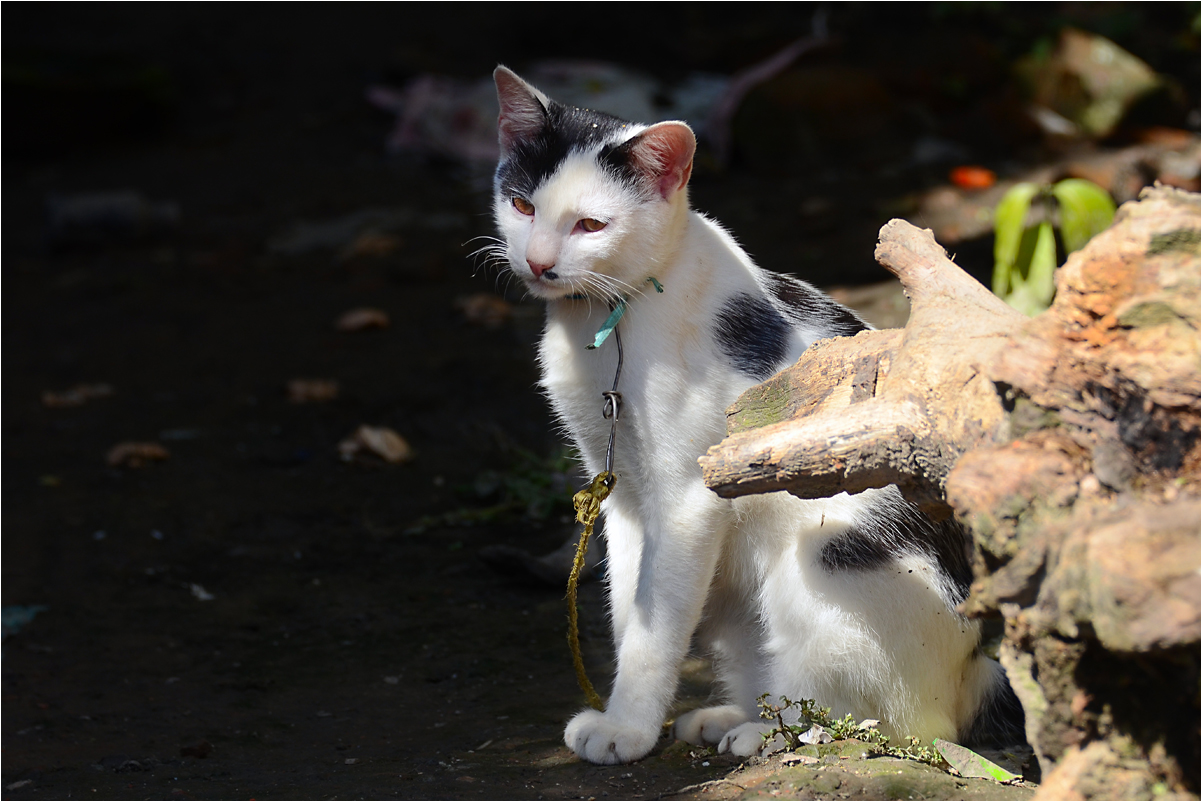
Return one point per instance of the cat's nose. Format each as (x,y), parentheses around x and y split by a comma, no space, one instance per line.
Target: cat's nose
(538,269)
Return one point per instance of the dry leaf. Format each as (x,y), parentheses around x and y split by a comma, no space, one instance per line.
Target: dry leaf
(484,309)
(303,391)
(370,245)
(135,455)
(815,735)
(969,764)
(78,395)
(362,319)
(378,440)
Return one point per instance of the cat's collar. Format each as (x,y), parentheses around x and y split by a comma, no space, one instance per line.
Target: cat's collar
(611,322)
(580,296)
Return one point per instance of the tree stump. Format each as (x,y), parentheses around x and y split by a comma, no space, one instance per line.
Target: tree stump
(1068,446)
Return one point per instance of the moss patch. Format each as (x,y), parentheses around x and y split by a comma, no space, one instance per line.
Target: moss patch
(1184,240)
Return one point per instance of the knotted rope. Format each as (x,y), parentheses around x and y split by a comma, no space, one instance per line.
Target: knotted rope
(588,507)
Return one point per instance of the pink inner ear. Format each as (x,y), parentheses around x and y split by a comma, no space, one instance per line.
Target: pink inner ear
(665,153)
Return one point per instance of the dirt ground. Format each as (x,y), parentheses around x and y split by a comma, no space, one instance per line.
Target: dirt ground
(253,617)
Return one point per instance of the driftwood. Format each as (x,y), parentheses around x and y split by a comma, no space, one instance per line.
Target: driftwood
(1068,446)
(872,410)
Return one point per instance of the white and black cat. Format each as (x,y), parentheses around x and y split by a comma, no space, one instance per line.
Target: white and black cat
(849,600)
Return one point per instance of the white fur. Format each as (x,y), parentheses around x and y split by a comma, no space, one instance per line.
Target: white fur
(744,574)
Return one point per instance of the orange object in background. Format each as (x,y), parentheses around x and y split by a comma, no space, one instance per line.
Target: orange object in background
(972,177)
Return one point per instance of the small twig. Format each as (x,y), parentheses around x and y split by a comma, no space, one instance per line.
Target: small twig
(700,786)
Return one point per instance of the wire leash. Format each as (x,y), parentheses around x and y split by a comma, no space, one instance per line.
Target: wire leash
(612,412)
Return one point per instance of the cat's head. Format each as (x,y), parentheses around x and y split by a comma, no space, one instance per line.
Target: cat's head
(586,203)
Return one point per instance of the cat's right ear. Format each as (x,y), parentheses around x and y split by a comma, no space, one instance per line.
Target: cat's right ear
(523,109)
(664,153)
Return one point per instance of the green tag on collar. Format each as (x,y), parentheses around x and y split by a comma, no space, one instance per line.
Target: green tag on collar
(609,325)
(611,322)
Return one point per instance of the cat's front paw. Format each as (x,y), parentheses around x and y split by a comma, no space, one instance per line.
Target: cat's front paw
(706,726)
(748,739)
(592,736)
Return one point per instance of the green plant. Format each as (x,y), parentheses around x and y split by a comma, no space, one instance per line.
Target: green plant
(531,488)
(810,714)
(1025,247)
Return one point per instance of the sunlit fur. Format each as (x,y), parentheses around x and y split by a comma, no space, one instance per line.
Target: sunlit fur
(744,575)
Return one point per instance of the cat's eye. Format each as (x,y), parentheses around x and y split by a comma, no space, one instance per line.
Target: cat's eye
(524,206)
(590,225)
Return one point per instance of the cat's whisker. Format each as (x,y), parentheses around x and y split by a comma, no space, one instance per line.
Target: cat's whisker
(497,240)
(603,285)
(612,287)
(488,257)
(485,249)
(507,276)
(629,288)
(487,262)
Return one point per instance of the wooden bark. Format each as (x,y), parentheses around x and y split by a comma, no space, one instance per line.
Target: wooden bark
(1068,447)
(1085,512)
(871,410)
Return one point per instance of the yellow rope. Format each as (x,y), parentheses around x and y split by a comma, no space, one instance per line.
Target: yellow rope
(588,507)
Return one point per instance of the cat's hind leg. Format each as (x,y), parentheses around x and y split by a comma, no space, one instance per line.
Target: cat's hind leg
(751,738)
(731,632)
(706,726)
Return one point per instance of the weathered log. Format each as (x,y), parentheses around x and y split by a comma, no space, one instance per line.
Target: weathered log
(1085,514)
(1068,446)
(872,410)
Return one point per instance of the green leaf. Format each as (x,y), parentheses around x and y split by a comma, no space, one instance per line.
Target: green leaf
(970,764)
(1024,301)
(1008,233)
(1085,210)
(1043,265)
(1031,283)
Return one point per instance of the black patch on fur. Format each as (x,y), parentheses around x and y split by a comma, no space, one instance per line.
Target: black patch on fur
(616,159)
(566,129)
(999,722)
(805,304)
(897,529)
(854,551)
(753,334)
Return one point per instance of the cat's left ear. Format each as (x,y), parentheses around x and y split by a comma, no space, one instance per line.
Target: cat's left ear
(664,153)
(523,109)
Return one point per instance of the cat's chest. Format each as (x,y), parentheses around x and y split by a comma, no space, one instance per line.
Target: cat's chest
(674,387)
(573,375)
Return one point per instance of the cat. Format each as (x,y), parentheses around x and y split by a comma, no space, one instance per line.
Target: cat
(848,600)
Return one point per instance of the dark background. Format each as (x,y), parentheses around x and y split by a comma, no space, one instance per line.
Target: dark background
(341,654)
